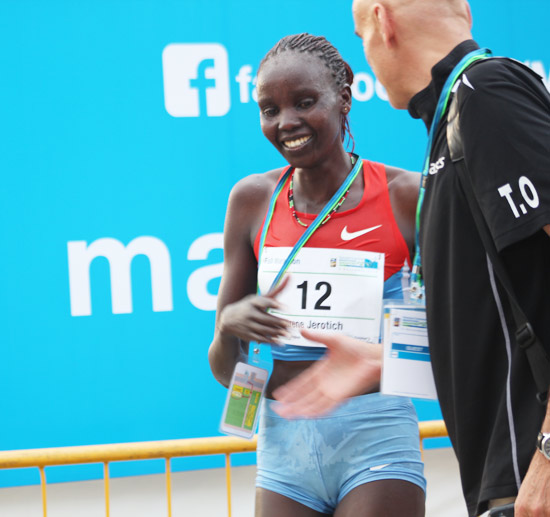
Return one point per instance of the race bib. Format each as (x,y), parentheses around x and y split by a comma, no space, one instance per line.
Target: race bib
(330,290)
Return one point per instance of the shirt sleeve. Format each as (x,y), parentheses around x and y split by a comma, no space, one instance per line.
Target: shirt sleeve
(504,114)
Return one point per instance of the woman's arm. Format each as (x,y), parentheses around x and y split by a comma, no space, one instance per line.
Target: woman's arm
(241,315)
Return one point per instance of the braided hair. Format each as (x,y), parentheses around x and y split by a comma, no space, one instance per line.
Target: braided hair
(319,46)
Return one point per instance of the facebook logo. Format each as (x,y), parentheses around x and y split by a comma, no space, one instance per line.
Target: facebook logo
(196,79)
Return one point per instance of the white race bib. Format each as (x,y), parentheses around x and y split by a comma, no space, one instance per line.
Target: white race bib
(331,290)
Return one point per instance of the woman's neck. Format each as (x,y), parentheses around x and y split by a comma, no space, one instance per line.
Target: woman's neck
(314,187)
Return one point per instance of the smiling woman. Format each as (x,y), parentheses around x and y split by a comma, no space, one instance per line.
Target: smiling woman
(318,95)
(353,221)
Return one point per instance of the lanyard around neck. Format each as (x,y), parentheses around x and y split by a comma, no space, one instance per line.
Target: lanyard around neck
(417,290)
(334,200)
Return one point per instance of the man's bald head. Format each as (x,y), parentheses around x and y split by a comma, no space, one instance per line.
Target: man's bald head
(420,10)
(403,39)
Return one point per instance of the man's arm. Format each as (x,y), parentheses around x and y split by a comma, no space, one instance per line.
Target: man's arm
(534,495)
(350,367)
(520,122)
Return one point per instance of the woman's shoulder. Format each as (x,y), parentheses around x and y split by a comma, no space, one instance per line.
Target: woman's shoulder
(403,188)
(248,203)
(403,184)
(401,178)
(255,188)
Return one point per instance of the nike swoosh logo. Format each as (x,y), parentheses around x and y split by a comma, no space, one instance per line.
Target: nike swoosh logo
(348,236)
(380,467)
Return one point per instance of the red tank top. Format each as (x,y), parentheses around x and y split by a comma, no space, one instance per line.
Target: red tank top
(370,226)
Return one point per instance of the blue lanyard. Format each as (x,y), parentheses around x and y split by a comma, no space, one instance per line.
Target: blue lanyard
(313,226)
(417,284)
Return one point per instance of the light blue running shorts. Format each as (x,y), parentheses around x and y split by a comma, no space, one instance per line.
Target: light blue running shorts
(318,461)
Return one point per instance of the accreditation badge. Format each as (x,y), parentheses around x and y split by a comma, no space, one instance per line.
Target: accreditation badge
(244,395)
(406,366)
(330,290)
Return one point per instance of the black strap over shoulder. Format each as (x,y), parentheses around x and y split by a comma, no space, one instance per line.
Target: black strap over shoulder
(525,336)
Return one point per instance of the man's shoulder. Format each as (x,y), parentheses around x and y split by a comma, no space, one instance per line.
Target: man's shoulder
(492,71)
(498,84)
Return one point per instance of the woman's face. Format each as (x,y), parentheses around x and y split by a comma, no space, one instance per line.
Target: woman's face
(300,108)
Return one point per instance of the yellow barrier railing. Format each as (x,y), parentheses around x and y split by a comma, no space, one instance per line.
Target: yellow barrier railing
(166,449)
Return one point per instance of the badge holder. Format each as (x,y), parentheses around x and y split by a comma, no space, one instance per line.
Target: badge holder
(406,365)
(244,396)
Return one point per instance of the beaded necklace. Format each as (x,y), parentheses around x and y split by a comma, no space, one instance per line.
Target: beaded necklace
(291,198)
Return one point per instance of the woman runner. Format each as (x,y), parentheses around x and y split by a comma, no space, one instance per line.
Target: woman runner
(363,459)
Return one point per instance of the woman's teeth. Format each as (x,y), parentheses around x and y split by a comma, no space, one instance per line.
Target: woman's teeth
(292,144)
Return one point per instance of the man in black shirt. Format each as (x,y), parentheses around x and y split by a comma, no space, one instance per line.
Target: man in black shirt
(484,381)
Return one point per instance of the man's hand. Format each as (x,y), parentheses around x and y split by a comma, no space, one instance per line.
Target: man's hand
(534,494)
(349,368)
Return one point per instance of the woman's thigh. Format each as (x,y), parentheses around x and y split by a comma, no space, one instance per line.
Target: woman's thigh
(383,498)
(271,504)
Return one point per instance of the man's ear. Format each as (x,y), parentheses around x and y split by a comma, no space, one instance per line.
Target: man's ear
(384,24)
(469,14)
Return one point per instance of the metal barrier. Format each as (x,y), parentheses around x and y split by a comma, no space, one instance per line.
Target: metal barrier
(167,449)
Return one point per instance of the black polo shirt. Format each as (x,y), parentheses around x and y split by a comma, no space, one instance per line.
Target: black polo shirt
(484,382)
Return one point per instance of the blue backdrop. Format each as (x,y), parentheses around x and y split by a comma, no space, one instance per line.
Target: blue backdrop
(124,126)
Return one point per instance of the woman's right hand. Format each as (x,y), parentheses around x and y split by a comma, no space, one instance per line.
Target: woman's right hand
(250,320)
